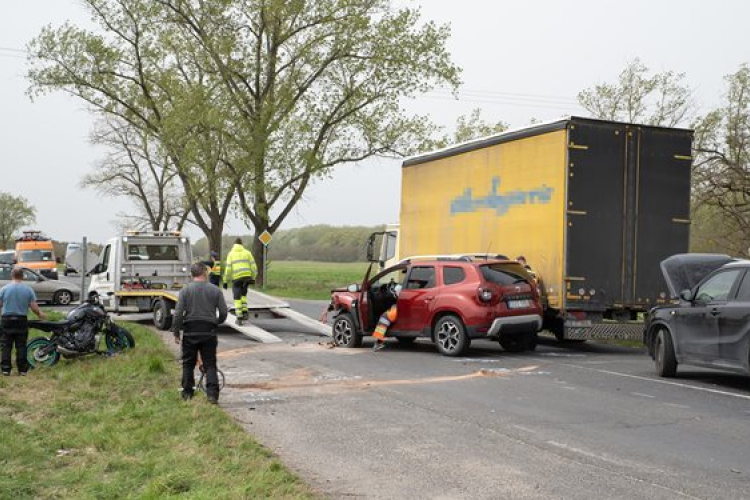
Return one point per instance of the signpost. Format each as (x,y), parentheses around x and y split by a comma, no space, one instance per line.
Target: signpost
(265,237)
(84,267)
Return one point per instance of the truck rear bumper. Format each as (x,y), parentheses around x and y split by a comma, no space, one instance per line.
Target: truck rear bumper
(528,323)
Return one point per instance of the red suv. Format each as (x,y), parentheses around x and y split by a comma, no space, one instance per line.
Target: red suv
(452,300)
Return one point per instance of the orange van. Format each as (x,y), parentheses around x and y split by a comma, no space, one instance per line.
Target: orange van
(37,252)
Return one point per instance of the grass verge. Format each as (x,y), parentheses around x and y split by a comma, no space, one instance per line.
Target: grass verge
(311,280)
(116,428)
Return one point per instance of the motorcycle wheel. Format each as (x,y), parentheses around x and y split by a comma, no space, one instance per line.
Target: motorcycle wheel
(119,339)
(35,358)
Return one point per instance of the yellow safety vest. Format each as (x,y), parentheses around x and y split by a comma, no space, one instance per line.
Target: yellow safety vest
(216,268)
(240,264)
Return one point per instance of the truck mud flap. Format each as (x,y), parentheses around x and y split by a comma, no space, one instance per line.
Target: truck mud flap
(621,331)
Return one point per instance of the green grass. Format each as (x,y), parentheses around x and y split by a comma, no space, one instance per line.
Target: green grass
(116,428)
(311,280)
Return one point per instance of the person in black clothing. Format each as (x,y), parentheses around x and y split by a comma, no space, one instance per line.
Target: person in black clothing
(196,318)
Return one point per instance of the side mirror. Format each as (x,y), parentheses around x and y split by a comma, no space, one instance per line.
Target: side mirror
(686,295)
(370,248)
(353,288)
(96,270)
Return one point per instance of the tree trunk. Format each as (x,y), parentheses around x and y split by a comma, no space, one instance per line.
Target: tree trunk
(257,248)
(214,235)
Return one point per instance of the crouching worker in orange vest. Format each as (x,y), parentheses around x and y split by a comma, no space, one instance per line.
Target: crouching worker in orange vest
(386,320)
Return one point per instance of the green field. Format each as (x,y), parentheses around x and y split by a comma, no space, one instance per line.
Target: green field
(116,428)
(311,280)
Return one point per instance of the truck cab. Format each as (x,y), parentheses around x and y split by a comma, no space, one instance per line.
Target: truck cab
(36,251)
(143,272)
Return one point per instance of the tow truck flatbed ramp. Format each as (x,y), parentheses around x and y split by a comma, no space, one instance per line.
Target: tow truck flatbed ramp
(259,305)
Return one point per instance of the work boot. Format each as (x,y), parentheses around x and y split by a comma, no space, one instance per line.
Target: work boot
(6,374)
(214,400)
(378,345)
(187,396)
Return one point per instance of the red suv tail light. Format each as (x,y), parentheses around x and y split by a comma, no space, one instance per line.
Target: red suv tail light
(485,295)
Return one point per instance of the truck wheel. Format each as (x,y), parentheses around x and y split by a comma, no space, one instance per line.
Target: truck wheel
(450,336)
(532,339)
(513,343)
(162,316)
(345,334)
(62,297)
(666,362)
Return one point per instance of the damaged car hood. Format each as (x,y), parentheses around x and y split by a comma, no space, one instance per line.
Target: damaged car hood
(684,271)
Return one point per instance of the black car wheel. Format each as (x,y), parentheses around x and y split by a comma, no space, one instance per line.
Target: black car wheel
(162,315)
(450,336)
(666,362)
(345,333)
(62,297)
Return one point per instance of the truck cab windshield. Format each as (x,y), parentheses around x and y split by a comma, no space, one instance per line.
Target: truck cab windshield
(35,256)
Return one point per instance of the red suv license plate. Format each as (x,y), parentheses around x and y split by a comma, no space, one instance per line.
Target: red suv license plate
(518,304)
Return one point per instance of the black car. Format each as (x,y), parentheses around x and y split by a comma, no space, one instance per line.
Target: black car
(708,322)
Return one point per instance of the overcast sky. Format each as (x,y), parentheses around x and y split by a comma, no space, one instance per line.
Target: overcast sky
(521,60)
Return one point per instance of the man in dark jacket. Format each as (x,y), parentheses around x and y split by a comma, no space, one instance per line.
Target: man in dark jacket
(196,317)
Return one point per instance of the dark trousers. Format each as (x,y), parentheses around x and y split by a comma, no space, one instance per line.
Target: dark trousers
(15,332)
(205,344)
(215,279)
(240,286)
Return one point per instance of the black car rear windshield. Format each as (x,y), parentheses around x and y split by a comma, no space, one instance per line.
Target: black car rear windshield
(505,274)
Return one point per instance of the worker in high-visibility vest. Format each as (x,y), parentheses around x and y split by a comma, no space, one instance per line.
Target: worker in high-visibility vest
(214,271)
(241,270)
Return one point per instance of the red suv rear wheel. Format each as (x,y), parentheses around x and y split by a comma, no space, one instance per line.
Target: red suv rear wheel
(450,336)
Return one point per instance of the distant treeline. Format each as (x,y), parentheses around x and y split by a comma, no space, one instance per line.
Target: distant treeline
(320,243)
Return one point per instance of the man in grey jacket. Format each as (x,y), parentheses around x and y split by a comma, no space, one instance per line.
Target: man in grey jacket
(196,318)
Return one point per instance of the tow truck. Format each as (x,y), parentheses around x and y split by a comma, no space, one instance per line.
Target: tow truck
(143,272)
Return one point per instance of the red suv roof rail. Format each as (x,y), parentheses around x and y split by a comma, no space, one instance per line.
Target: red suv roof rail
(455,257)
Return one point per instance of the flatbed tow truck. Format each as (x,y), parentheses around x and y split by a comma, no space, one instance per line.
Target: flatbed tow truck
(143,272)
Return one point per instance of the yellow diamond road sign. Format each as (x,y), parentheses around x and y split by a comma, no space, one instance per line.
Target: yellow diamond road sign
(265,237)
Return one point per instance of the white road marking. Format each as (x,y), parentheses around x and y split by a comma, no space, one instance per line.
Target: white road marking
(476,360)
(682,407)
(665,382)
(561,355)
(585,453)
(640,394)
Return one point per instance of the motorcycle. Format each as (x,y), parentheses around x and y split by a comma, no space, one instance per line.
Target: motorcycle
(79,334)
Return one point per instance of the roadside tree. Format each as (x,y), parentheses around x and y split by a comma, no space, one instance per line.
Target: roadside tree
(135,70)
(640,96)
(468,127)
(721,170)
(15,212)
(309,86)
(136,167)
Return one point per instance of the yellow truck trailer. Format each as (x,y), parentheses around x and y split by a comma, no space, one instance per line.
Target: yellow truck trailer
(593,206)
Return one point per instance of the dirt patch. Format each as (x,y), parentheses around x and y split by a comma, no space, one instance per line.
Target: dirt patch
(301,379)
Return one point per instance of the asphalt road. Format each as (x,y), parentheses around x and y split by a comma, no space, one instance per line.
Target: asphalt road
(583,421)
